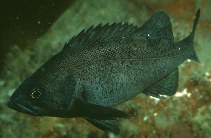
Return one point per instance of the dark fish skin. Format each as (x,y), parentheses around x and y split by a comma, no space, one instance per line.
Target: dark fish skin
(105,66)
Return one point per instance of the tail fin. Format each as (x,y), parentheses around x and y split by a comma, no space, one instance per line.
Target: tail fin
(195,23)
(188,41)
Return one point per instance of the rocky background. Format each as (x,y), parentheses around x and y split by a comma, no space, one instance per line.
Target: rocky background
(184,115)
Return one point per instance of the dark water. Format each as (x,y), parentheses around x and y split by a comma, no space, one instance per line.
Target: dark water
(23,21)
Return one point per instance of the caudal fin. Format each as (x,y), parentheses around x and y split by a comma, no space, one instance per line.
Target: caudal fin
(188,41)
(195,23)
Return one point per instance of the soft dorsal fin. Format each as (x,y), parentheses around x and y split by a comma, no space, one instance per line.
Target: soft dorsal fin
(100,33)
(158,26)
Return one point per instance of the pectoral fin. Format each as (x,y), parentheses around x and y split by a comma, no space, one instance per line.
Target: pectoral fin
(97,111)
(166,86)
(105,125)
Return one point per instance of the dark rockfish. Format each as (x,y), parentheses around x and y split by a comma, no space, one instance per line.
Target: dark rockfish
(104,66)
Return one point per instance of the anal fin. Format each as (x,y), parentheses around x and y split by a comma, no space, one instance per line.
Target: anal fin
(105,125)
(166,86)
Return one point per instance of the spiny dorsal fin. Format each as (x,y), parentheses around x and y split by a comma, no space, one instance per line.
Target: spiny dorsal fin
(100,33)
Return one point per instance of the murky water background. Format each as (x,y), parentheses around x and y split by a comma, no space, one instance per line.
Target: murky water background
(184,115)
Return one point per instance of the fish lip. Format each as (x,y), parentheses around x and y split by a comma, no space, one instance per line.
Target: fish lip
(20,108)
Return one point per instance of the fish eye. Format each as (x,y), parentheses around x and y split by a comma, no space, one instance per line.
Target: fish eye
(35,93)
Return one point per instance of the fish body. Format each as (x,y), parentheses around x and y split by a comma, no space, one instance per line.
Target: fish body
(104,66)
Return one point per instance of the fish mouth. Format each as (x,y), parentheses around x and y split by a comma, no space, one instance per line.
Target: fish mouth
(21,108)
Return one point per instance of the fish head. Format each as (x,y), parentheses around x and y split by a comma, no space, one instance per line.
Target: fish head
(28,98)
(44,95)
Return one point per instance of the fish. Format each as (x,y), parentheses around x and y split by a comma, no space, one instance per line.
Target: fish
(104,66)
